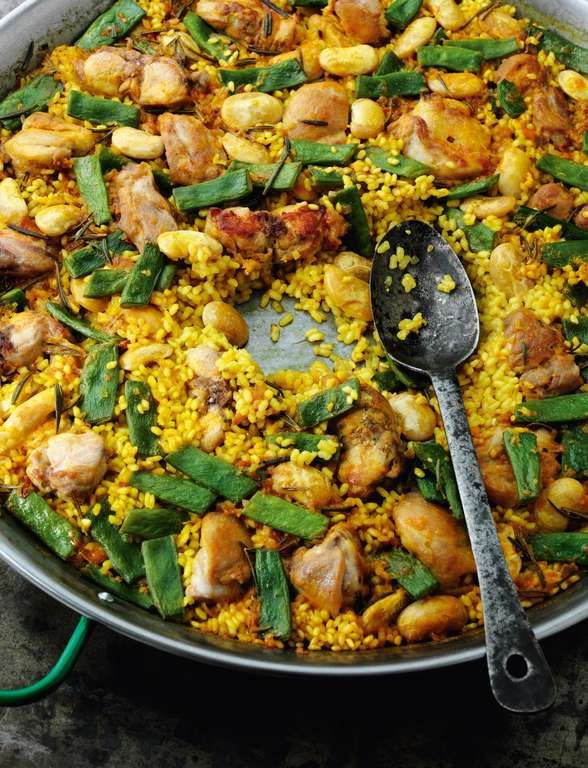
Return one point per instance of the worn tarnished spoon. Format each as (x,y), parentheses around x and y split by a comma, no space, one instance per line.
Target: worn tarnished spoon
(519,674)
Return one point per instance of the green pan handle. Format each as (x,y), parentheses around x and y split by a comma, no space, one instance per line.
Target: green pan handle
(57,675)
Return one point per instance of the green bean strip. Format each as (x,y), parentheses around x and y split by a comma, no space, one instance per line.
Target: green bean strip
(400,13)
(201,33)
(436,462)
(77,325)
(92,189)
(212,473)
(152,523)
(162,182)
(306,441)
(54,530)
(410,573)
(119,589)
(568,53)
(405,83)
(521,449)
(315,153)
(166,277)
(574,442)
(143,278)
(141,418)
(449,57)
(473,188)
(553,409)
(175,490)
(576,330)
(80,263)
(325,179)
(106,282)
(163,575)
(309,3)
(273,593)
(99,382)
(32,97)
(400,165)
(390,63)
(95,109)
(490,49)
(479,236)
(260,173)
(532,219)
(276,77)
(328,404)
(232,185)
(126,558)
(110,161)
(111,25)
(510,99)
(357,237)
(573,174)
(15,296)
(564,252)
(561,547)
(284,516)
(386,381)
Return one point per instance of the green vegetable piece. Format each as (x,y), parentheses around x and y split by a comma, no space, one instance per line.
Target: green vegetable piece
(390,63)
(490,49)
(273,593)
(436,462)
(531,219)
(110,161)
(118,588)
(577,294)
(163,182)
(585,141)
(95,109)
(143,277)
(303,441)
(232,185)
(325,179)
(386,381)
(577,330)
(521,449)
(140,422)
(405,83)
(401,12)
(126,558)
(315,153)
(328,404)
(450,57)
(284,516)
(32,97)
(201,33)
(479,236)
(77,325)
(428,489)
(163,575)
(212,473)
(111,25)
(166,277)
(553,409)
(357,237)
(410,573)
(152,523)
(573,174)
(15,296)
(106,282)
(99,382)
(276,77)
(561,547)
(510,98)
(309,3)
(92,189)
(574,442)
(564,252)
(175,490)
(472,188)
(400,165)
(80,263)
(260,173)
(55,531)
(568,53)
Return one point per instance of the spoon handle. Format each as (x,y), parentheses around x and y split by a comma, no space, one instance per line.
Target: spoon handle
(519,674)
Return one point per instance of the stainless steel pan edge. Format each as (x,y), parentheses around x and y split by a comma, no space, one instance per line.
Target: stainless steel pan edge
(49,23)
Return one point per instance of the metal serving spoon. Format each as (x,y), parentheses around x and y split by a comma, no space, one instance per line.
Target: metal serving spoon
(519,674)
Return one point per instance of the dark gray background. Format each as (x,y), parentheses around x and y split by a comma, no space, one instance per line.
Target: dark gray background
(128,706)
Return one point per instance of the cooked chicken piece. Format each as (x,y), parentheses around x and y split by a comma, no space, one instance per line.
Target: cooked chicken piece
(330,574)
(442,134)
(523,70)
(307,486)
(70,464)
(581,218)
(144,213)
(559,375)
(214,392)
(370,441)
(326,101)
(554,199)
(432,617)
(46,142)
(162,83)
(190,149)
(501,25)
(362,20)
(429,532)
(23,255)
(23,337)
(220,567)
(244,20)
(551,115)
(107,71)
